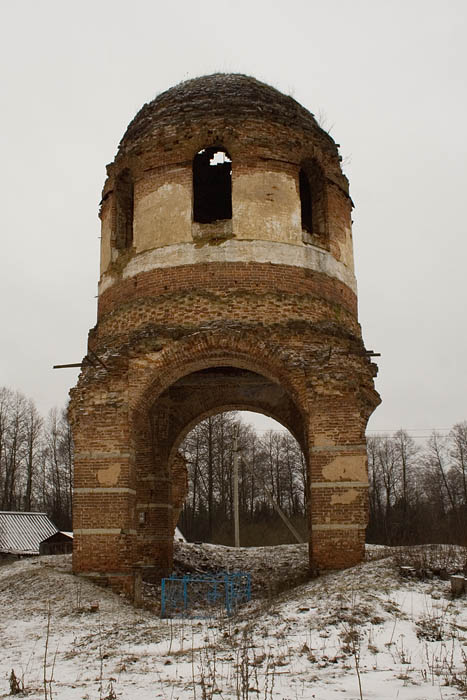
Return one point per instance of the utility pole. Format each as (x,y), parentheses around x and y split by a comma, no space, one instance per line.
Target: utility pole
(235,489)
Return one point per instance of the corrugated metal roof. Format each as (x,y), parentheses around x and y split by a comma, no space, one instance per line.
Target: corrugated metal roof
(21,533)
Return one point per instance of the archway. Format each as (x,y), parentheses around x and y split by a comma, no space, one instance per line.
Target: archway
(161,429)
(235,466)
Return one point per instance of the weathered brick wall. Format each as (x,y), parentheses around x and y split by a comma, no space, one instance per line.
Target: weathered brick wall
(223,279)
(198,318)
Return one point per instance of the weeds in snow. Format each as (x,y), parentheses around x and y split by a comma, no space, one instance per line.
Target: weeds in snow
(434,625)
(460,679)
(109,692)
(47,682)
(16,686)
(339,631)
(428,560)
(402,654)
(351,644)
(231,663)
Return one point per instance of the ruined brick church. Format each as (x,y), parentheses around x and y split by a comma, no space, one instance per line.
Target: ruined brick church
(227,282)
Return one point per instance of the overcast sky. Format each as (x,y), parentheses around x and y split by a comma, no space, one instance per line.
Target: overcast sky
(387,78)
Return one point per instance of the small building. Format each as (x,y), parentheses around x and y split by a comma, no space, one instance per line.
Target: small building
(22,533)
(58,543)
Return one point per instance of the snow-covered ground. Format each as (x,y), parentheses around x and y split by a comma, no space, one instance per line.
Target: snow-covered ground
(401,638)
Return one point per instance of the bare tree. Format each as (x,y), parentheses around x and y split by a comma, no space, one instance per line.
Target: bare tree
(274,462)
(458,450)
(57,468)
(33,436)
(14,450)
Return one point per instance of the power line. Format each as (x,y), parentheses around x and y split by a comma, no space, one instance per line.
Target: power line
(413,437)
(440,432)
(406,430)
(429,431)
(370,432)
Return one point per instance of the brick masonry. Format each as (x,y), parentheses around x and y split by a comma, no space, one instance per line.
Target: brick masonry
(218,328)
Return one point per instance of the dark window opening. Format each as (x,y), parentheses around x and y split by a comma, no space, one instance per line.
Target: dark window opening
(212,185)
(313,202)
(306,202)
(124,210)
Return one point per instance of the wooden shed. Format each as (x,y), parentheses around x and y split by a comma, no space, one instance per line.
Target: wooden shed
(58,543)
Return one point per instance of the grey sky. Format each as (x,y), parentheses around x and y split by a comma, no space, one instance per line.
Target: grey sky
(388,77)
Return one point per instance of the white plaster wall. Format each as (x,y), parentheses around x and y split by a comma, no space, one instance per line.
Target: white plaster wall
(266,207)
(105,237)
(346,250)
(162,217)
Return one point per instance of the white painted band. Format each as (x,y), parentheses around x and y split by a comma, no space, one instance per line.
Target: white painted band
(115,489)
(153,506)
(337,526)
(338,484)
(237,251)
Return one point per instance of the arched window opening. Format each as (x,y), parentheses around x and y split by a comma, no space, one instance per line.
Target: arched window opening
(124,202)
(313,203)
(212,185)
(272,482)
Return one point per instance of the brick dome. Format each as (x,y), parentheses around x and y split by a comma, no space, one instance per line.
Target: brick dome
(233,96)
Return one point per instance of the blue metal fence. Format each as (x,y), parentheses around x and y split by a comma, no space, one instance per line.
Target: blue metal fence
(201,595)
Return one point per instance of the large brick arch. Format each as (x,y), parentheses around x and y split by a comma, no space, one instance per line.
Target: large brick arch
(157,384)
(204,350)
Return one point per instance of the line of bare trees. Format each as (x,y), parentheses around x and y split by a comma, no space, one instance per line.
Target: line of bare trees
(36,459)
(418,493)
(271,467)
